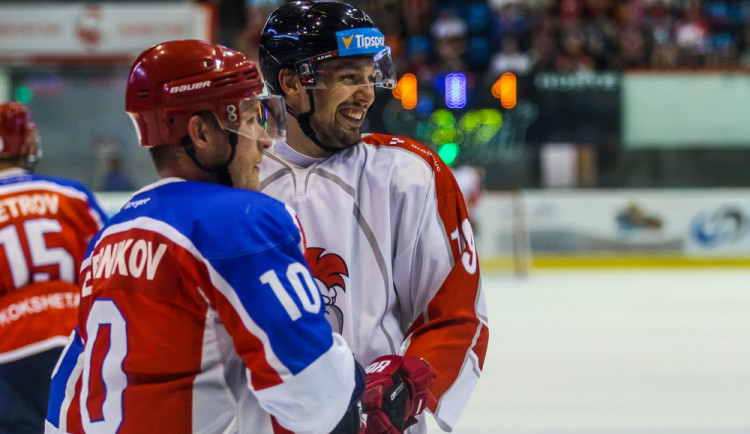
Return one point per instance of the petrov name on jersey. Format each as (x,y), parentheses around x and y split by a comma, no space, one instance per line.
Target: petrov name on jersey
(130,257)
(360,41)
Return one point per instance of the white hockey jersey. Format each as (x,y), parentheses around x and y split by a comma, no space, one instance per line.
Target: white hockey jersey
(390,244)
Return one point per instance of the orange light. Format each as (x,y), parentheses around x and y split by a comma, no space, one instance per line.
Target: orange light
(406,91)
(504,89)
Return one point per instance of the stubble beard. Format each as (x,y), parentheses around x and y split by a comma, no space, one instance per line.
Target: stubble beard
(336,136)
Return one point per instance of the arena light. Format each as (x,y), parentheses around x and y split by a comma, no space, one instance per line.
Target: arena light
(455,90)
(443,127)
(481,125)
(406,91)
(448,153)
(505,90)
(24,94)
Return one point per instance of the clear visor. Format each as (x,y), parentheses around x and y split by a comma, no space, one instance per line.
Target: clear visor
(259,118)
(331,69)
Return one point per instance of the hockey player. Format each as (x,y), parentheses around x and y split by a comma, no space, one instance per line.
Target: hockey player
(198,313)
(45,225)
(393,248)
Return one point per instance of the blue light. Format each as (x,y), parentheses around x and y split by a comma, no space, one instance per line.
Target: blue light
(425,105)
(455,90)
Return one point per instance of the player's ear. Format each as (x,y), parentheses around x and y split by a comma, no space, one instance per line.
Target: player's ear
(289,81)
(197,130)
(294,93)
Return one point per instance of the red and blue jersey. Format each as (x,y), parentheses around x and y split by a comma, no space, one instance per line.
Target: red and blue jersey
(199,313)
(45,226)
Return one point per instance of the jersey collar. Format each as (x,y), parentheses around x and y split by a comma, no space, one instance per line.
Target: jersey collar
(283,149)
(12,172)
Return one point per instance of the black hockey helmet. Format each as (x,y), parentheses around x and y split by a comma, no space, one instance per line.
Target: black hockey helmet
(298,35)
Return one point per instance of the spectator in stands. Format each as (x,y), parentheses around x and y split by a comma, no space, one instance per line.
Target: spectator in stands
(510,59)
(449,39)
(633,48)
(572,55)
(691,35)
(543,45)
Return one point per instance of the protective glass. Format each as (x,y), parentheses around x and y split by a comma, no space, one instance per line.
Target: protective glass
(259,118)
(322,71)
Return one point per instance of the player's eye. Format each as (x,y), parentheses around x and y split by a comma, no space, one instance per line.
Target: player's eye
(251,119)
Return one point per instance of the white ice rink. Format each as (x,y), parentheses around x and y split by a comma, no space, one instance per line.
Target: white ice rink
(615,352)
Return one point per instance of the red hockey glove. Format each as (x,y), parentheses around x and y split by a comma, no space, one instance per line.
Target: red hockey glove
(396,390)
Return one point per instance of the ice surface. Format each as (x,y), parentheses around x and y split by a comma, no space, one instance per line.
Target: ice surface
(615,352)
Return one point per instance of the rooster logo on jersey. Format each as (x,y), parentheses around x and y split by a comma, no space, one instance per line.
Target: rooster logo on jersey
(329,270)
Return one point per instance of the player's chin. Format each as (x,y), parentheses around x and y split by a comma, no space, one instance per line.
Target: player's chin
(253,185)
(250,181)
(349,138)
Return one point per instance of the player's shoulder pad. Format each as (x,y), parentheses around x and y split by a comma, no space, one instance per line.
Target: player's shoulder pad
(72,184)
(220,220)
(413,147)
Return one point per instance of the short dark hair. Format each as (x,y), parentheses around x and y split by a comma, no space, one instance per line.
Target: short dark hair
(163,156)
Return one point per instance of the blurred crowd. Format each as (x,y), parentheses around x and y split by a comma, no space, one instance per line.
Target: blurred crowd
(432,37)
(527,36)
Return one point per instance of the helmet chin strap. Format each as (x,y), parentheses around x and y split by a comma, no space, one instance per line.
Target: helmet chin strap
(221,170)
(304,122)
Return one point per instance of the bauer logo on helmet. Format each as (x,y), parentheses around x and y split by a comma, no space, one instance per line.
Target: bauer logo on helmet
(190,86)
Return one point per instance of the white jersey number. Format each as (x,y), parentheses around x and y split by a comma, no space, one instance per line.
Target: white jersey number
(104,353)
(466,236)
(303,284)
(41,255)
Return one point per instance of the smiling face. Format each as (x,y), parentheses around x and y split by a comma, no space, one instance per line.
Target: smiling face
(341,104)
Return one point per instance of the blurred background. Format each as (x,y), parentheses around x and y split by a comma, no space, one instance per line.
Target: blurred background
(582,131)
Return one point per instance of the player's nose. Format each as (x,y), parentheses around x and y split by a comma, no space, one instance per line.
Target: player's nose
(365,94)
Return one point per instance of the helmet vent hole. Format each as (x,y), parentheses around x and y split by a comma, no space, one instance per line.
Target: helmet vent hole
(144,93)
(229,79)
(225,80)
(208,63)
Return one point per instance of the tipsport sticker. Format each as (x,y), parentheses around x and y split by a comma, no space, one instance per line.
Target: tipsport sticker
(360,41)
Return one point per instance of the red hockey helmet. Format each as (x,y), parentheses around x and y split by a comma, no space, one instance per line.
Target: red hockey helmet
(171,82)
(17,131)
